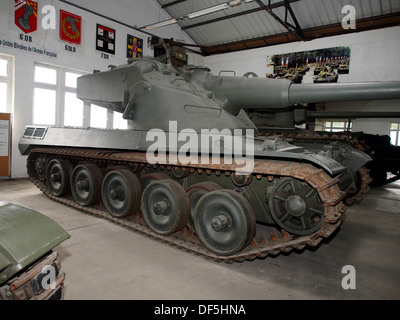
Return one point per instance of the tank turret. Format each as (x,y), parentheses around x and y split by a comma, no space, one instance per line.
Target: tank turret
(177,173)
(150,92)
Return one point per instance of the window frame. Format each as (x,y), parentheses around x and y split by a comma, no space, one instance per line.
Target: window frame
(61,89)
(397,142)
(9,81)
(346,128)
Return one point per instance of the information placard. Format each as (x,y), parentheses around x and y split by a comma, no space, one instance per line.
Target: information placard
(5,145)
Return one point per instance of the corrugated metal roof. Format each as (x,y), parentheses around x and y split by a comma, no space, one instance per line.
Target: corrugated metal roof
(267,22)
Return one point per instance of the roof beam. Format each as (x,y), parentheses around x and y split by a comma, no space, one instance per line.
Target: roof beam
(296,30)
(383,21)
(297,27)
(230,16)
(171,4)
(221,18)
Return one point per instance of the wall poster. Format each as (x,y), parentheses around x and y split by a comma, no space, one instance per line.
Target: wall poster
(316,66)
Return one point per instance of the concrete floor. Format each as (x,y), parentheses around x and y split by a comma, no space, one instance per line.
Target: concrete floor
(102,260)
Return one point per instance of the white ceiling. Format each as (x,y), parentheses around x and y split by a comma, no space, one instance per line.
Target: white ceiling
(267,22)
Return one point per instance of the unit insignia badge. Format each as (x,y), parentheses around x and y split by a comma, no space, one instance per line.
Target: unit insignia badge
(70,27)
(134,47)
(26,15)
(105,39)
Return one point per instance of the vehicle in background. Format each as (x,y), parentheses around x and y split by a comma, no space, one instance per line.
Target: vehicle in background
(29,266)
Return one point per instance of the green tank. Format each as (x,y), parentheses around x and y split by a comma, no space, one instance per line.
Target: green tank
(29,266)
(341,146)
(191,170)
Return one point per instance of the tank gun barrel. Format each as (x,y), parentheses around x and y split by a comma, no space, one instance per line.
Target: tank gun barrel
(352,114)
(263,93)
(328,92)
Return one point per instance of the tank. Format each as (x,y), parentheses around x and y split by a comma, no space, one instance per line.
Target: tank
(191,169)
(343,68)
(29,265)
(384,165)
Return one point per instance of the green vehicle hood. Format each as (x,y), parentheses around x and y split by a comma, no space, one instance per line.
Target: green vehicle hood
(25,236)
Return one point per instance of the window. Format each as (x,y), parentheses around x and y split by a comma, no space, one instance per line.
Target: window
(73,110)
(3,96)
(3,67)
(55,101)
(337,126)
(119,122)
(44,102)
(394,133)
(6,83)
(45,75)
(98,117)
(71,79)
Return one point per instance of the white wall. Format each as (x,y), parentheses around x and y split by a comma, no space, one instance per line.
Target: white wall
(375,56)
(86,58)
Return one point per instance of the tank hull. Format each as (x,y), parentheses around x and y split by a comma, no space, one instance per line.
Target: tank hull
(267,238)
(277,168)
(191,163)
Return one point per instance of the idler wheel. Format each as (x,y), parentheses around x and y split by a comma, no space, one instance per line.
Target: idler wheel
(86,184)
(121,193)
(224,222)
(165,206)
(295,206)
(58,177)
(195,192)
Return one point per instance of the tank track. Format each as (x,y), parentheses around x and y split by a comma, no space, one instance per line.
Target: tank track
(363,173)
(265,242)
